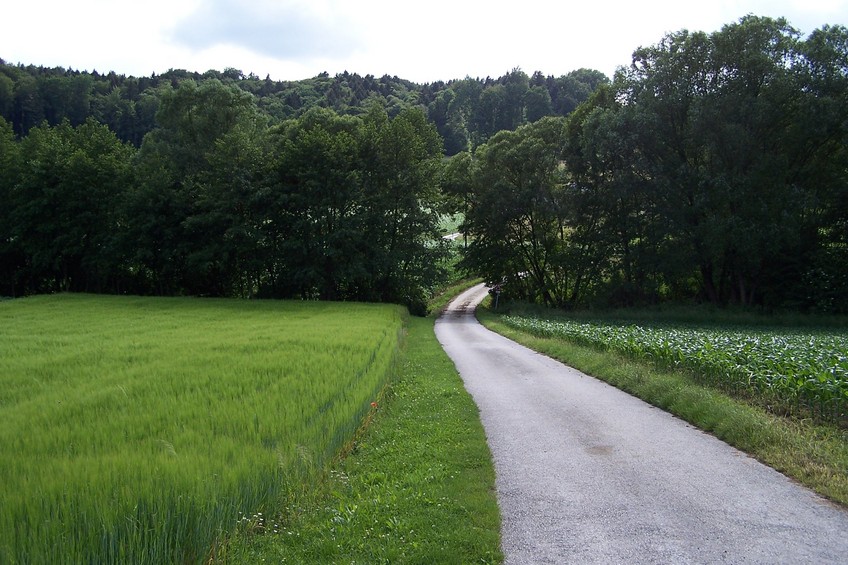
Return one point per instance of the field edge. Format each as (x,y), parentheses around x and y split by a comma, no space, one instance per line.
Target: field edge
(415,484)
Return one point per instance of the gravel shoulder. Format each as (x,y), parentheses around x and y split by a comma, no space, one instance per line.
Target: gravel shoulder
(589,474)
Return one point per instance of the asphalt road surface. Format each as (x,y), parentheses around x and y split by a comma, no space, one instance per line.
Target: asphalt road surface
(589,474)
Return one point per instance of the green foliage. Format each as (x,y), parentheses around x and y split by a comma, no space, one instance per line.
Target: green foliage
(537,102)
(191,226)
(354,202)
(62,207)
(713,168)
(12,257)
(318,203)
(402,164)
(211,141)
(216,204)
(728,128)
(128,105)
(517,211)
(141,430)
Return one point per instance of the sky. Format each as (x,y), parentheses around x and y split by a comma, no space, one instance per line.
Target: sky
(423,41)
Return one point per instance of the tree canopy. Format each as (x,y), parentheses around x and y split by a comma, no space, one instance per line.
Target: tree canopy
(128,105)
(714,166)
(217,203)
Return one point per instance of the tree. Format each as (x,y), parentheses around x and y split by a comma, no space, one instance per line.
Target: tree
(489,114)
(821,152)
(537,101)
(7,97)
(175,245)
(353,208)
(664,90)
(457,186)
(715,164)
(12,257)
(569,91)
(612,208)
(724,134)
(119,113)
(315,223)
(28,110)
(746,126)
(402,160)
(518,219)
(63,208)
(516,84)
(226,214)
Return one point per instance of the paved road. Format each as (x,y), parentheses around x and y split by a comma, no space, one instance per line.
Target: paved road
(589,474)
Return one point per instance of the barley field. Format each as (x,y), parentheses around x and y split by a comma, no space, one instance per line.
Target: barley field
(142,430)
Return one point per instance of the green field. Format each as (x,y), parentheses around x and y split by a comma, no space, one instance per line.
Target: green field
(801,372)
(143,430)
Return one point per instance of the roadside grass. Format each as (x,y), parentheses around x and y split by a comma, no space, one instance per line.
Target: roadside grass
(416,485)
(814,455)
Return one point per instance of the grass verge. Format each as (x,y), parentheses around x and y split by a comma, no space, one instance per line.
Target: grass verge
(415,486)
(814,455)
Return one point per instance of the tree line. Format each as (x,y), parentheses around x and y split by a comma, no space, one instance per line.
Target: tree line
(714,167)
(217,203)
(466,112)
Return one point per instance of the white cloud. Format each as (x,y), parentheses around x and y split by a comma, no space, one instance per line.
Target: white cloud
(422,41)
(284,30)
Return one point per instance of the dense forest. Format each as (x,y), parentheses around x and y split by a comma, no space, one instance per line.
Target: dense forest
(711,168)
(466,112)
(714,167)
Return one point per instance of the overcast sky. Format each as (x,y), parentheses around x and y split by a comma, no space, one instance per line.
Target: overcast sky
(421,41)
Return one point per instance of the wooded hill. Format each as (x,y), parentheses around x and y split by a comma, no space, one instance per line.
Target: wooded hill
(466,112)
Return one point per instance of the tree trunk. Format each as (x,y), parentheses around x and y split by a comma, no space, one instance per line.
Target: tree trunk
(708,283)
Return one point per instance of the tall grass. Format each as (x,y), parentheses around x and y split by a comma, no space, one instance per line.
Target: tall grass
(140,430)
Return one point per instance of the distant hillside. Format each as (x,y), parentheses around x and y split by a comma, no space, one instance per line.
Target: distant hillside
(466,112)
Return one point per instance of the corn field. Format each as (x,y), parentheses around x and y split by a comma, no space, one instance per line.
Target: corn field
(141,430)
(795,372)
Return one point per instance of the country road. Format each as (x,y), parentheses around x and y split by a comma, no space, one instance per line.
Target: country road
(589,474)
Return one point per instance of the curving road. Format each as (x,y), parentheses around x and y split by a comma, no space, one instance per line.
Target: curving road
(589,474)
